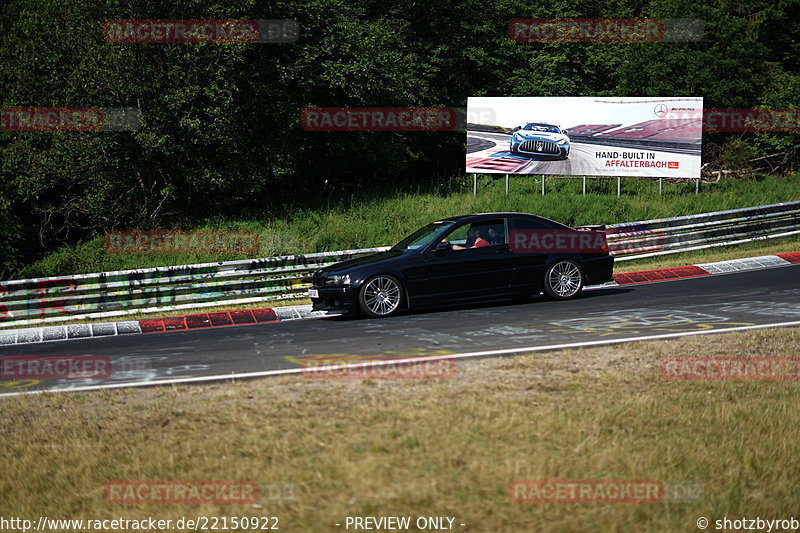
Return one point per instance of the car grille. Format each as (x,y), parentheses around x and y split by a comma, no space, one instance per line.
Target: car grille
(539,147)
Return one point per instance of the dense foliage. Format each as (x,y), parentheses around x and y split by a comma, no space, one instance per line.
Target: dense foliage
(221,132)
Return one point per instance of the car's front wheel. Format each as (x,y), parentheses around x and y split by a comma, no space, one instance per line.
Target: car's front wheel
(381,296)
(563,280)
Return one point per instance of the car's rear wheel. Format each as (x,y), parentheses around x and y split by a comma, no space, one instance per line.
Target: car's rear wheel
(381,296)
(563,280)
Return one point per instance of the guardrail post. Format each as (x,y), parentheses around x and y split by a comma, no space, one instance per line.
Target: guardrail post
(584,185)
(619,186)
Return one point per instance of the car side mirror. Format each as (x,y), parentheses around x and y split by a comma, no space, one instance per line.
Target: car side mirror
(443,246)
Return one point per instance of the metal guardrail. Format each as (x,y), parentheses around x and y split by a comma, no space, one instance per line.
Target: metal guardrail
(649,238)
(108,294)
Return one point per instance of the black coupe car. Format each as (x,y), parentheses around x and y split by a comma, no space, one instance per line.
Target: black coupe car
(465,259)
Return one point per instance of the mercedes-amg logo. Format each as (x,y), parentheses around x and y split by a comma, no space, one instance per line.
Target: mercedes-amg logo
(661,110)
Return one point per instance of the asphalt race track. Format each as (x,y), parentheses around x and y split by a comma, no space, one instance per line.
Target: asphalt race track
(670,308)
(475,144)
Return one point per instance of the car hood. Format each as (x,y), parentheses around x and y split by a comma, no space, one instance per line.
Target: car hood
(542,135)
(358,262)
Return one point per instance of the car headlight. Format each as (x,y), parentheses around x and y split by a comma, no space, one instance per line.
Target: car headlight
(338,281)
(517,137)
(562,142)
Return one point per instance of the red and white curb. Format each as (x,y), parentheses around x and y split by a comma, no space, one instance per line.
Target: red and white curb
(156,325)
(298,312)
(706,269)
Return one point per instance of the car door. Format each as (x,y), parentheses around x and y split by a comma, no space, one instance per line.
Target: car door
(528,267)
(476,272)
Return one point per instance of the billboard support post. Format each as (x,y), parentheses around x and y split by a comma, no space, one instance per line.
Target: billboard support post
(506,184)
(474,185)
(584,185)
(660,185)
(697,186)
(619,186)
(542,184)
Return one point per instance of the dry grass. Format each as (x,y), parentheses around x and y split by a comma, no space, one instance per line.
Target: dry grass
(428,447)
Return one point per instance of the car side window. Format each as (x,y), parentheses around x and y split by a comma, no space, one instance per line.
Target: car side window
(459,235)
(528,224)
(496,232)
(521,228)
(478,235)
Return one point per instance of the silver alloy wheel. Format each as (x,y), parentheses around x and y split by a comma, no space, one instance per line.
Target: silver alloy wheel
(381,296)
(565,279)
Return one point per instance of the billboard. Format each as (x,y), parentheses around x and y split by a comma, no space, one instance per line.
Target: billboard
(585,136)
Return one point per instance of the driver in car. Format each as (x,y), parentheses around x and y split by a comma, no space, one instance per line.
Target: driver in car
(475,237)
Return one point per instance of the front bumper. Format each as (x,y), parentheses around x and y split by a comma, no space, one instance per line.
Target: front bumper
(343,299)
(540,148)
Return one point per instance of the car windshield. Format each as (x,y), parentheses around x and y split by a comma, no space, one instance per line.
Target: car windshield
(423,237)
(541,127)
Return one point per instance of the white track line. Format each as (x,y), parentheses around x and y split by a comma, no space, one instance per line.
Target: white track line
(506,351)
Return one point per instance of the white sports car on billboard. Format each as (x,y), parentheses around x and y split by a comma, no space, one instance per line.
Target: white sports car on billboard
(540,139)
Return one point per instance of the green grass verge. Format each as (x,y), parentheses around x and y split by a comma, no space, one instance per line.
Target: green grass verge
(378,217)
